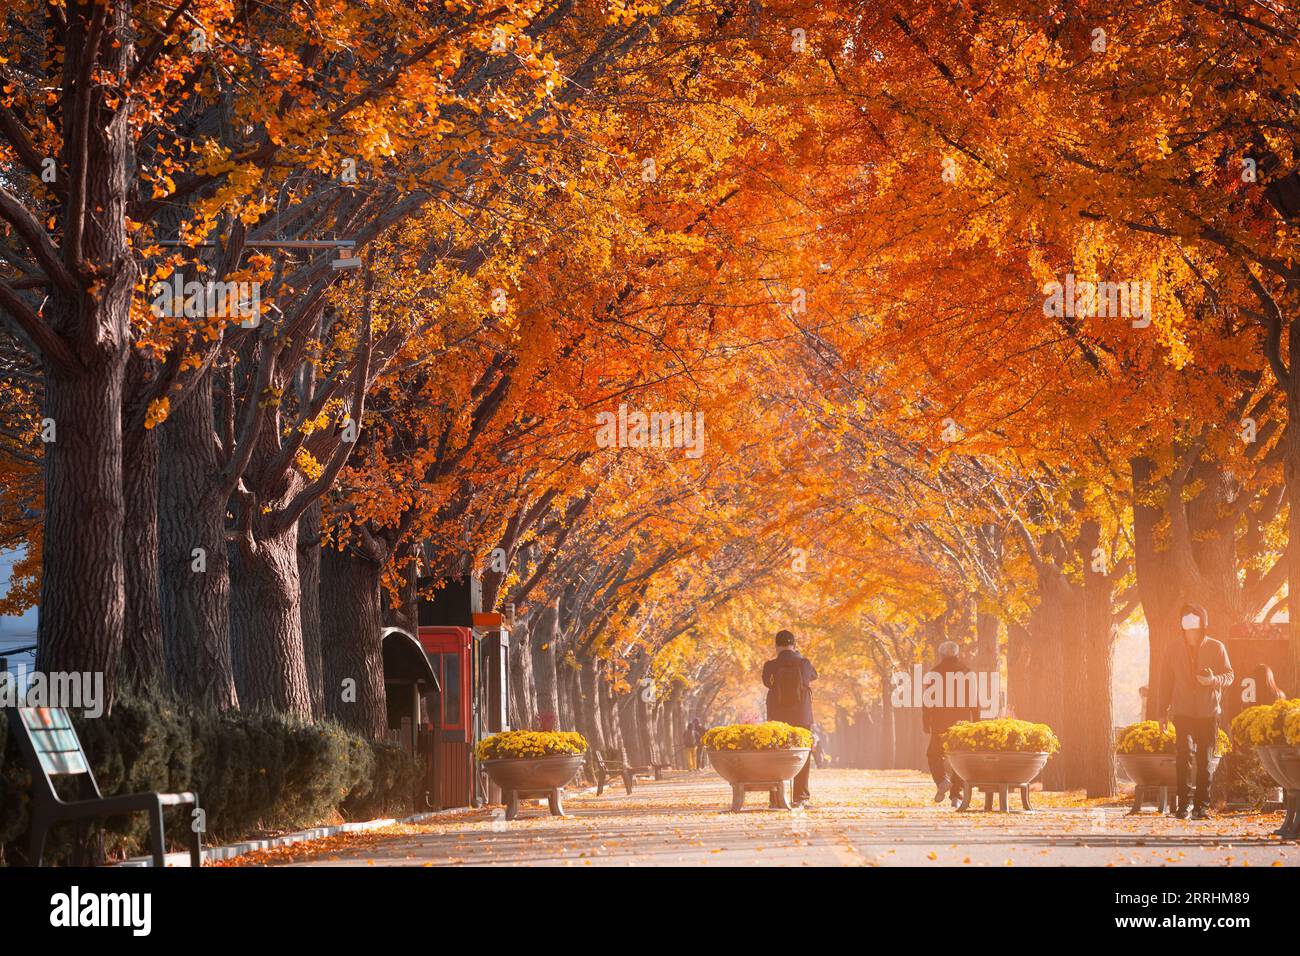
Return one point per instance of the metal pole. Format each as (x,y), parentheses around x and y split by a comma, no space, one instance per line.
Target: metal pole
(268,244)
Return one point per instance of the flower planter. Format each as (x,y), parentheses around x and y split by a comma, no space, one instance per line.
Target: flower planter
(1155,777)
(1282,761)
(996,772)
(768,770)
(525,777)
(1155,770)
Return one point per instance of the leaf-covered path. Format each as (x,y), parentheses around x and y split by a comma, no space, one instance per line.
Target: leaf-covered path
(860,818)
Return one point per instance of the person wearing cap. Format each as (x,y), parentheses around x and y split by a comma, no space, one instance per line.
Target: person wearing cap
(937,718)
(1195,671)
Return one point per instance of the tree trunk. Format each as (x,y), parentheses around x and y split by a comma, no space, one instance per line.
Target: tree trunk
(266,623)
(83,578)
(677,732)
(545,678)
(587,703)
(523,712)
(1158,584)
(1054,628)
(888,749)
(988,655)
(1020,648)
(351,643)
(1099,632)
(143,663)
(193,563)
(309,586)
(568,693)
(1291,471)
(610,723)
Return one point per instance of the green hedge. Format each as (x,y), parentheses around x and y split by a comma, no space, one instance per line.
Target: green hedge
(253,771)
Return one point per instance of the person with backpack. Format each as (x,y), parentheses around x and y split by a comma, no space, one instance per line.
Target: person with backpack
(789,698)
(936,719)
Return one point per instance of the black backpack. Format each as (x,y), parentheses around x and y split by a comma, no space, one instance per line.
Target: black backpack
(787,684)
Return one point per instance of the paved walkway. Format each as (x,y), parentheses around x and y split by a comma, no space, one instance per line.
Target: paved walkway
(860,818)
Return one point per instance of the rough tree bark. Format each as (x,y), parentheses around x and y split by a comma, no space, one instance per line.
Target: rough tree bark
(611,724)
(352,659)
(1044,669)
(193,562)
(266,622)
(143,660)
(309,587)
(523,709)
(568,692)
(84,351)
(545,678)
(587,702)
(1157,581)
(1099,633)
(888,749)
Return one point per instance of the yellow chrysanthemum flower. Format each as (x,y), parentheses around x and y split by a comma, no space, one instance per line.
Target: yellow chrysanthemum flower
(770,735)
(531,743)
(1004,734)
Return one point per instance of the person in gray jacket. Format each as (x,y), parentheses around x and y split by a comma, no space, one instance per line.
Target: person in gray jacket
(1196,670)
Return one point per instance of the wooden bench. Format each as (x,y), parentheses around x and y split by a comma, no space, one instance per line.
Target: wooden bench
(52,748)
(609,764)
(606,766)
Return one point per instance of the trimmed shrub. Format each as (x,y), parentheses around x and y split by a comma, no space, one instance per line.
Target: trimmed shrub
(254,771)
(386,782)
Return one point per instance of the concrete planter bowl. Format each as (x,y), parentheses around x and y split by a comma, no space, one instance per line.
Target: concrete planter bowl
(1282,761)
(1155,778)
(996,773)
(526,777)
(748,770)
(1155,770)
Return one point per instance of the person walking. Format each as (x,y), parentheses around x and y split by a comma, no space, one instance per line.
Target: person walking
(694,733)
(789,698)
(936,719)
(819,745)
(1195,671)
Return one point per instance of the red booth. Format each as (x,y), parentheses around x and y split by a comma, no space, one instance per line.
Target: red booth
(450,729)
(469,654)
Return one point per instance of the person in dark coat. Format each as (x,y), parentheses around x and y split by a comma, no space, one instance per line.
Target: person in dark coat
(789,697)
(936,719)
(1196,669)
(694,737)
